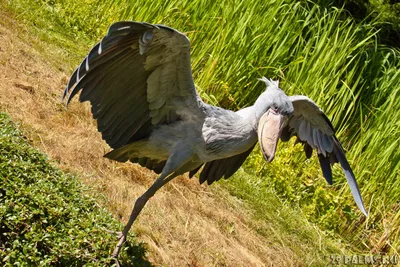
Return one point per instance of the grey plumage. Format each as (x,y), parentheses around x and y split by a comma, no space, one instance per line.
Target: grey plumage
(139,82)
(315,131)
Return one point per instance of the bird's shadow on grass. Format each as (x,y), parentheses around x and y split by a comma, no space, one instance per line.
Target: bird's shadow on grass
(134,254)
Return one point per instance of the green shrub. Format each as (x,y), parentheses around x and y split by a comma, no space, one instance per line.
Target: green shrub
(48,217)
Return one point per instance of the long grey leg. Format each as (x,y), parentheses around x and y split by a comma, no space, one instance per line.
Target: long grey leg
(137,208)
(177,159)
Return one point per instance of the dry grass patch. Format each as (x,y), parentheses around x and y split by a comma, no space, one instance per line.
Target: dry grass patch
(185,224)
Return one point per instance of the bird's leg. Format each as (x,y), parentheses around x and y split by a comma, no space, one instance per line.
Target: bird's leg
(137,208)
(177,160)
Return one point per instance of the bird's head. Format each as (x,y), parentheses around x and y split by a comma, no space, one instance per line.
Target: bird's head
(275,108)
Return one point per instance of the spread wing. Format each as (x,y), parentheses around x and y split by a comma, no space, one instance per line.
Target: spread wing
(137,77)
(314,130)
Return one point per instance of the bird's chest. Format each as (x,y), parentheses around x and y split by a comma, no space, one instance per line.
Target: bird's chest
(224,138)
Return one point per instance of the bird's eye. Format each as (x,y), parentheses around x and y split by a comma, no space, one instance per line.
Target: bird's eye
(275,108)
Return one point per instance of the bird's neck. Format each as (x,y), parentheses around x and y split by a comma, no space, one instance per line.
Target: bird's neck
(251,115)
(261,105)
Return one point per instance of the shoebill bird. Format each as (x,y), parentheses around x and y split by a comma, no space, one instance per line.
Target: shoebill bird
(139,82)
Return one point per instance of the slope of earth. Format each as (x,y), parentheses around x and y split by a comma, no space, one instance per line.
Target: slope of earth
(185,224)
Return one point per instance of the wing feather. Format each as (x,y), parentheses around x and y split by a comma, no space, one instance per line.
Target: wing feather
(215,170)
(310,135)
(204,172)
(194,171)
(326,168)
(303,130)
(315,131)
(307,149)
(113,118)
(211,174)
(320,143)
(328,144)
(135,79)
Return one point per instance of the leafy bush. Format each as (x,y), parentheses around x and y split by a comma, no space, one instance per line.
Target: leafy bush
(48,217)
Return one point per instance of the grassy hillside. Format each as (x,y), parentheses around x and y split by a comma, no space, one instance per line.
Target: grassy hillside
(48,217)
(184,224)
(320,52)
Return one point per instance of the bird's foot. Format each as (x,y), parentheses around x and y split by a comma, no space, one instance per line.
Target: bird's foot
(121,241)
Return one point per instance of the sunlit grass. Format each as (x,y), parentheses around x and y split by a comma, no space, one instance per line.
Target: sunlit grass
(314,51)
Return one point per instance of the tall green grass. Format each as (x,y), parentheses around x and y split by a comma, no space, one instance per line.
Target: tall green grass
(314,51)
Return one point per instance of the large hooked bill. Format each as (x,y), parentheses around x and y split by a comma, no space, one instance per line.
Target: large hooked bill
(269,129)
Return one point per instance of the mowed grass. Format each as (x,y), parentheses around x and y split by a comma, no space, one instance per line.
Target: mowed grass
(315,51)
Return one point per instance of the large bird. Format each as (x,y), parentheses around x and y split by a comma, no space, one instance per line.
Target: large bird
(139,82)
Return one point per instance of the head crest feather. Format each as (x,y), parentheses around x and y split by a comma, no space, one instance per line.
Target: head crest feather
(269,82)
